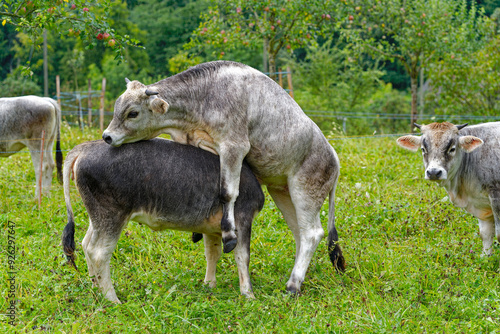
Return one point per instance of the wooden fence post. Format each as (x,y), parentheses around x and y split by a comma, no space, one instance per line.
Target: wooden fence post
(101,111)
(80,112)
(289,77)
(89,100)
(280,77)
(58,93)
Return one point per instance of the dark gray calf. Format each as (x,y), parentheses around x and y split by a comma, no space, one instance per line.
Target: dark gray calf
(162,184)
(22,120)
(240,113)
(465,161)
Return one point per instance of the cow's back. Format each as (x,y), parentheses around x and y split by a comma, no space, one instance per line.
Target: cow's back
(176,182)
(484,162)
(26,116)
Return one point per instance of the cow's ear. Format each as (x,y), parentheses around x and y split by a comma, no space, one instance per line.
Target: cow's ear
(469,143)
(159,105)
(411,143)
(127,80)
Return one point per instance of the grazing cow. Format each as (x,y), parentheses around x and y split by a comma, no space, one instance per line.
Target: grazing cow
(465,160)
(22,120)
(162,184)
(240,113)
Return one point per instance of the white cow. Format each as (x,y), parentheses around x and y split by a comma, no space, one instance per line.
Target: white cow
(465,161)
(240,113)
(22,120)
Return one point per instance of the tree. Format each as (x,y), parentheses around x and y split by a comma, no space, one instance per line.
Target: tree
(87,20)
(278,24)
(468,82)
(170,24)
(413,32)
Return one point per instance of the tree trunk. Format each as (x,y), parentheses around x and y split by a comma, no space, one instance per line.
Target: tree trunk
(414,95)
(272,65)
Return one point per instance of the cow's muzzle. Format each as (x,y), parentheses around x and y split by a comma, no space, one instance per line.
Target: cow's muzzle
(107,138)
(435,174)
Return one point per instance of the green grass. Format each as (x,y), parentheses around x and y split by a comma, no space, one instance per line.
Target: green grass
(413,262)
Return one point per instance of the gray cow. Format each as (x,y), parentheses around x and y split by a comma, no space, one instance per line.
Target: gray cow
(240,113)
(162,184)
(22,120)
(464,160)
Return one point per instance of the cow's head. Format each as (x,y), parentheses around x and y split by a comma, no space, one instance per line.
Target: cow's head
(136,115)
(442,147)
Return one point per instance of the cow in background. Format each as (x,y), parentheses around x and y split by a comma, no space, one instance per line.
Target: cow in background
(22,120)
(240,113)
(465,161)
(162,184)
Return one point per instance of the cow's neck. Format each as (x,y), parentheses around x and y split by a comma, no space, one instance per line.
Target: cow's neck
(454,184)
(182,95)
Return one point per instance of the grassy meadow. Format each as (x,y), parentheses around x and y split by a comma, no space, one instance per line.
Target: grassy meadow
(413,262)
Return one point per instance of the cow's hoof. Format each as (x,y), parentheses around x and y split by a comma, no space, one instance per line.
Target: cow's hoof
(229,245)
(292,291)
(196,237)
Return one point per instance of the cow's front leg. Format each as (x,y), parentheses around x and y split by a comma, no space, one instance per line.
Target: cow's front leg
(231,159)
(487,233)
(495,208)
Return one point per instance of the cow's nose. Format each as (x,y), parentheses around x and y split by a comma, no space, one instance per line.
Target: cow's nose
(434,173)
(107,138)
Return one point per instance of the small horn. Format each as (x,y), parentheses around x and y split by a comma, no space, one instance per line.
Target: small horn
(150,92)
(417,125)
(127,80)
(460,127)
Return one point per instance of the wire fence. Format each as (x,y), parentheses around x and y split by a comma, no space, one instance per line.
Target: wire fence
(73,112)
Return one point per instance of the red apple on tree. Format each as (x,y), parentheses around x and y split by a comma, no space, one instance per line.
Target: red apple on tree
(99,36)
(111,42)
(73,6)
(85,9)
(105,35)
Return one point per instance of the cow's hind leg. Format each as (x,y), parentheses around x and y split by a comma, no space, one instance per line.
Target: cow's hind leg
(284,203)
(47,164)
(98,246)
(213,252)
(307,203)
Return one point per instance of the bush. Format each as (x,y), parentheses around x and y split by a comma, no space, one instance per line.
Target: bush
(17,85)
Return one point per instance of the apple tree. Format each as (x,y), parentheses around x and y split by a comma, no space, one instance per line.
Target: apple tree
(413,32)
(277,24)
(87,20)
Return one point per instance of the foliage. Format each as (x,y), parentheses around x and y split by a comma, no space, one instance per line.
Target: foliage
(278,24)
(16,85)
(80,18)
(414,32)
(467,83)
(413,261)
(169,24)
(333,79)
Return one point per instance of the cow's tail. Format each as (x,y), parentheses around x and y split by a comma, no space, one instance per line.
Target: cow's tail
(59,155)
(334,249)
(68,235)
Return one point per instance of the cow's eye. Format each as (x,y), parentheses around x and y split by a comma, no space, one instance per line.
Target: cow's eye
(452,150)
(132,114)
(424,151)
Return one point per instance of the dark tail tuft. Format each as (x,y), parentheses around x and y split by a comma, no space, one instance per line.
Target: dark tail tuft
(336,256)
(68,241)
